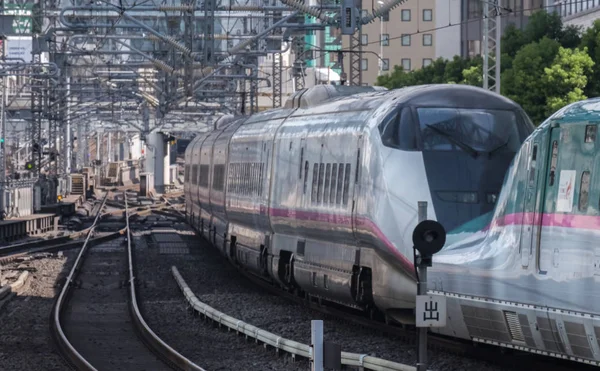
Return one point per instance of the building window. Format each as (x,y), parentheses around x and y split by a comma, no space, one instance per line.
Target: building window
(427,62)
(405,15)
(474,9)
(386,17)
(385,64)
(427,39)
(364,39)
(405,40)
(427,15)
(364,64)
(385,39)
(406,64)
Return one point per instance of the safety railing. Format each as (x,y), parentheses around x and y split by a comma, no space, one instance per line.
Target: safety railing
(362,361)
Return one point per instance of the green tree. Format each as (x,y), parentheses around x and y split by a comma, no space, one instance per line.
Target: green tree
(473,75)
(512,40)
(523,83)
(541,24)
(591,41)
(566,78)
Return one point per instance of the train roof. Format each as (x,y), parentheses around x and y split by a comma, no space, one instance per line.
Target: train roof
(326,97)
(582,111)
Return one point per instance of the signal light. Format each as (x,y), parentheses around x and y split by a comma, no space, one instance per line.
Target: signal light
(29,165)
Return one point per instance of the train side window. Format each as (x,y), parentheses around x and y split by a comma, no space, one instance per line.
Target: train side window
(320,184)
(254,168)
(195,174)
(305,176)
(553,162)
(340,185)
(398,131)
(313,191)
(204,176)
(218,177)
(253,179)
(245,179)
(584,191)
(533,165)
(238,178)
(407,133)
(333,183)
(327,184)
(233,187)
(590,133)
(230,178)
(301,161)
(186,175)
(346,184)
(261,179)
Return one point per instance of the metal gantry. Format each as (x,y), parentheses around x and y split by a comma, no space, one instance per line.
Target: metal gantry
(145,67)
(277,83)
(492,28)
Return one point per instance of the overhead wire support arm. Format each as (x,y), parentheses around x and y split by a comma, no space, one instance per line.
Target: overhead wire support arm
(136,24)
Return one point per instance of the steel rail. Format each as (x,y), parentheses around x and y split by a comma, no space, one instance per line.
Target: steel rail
(65,347)
(168,354)
(146,335)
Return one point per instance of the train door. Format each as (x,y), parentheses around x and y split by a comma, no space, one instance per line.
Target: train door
(262,174)
(302,184)
(357,188)
(557,196)
(529,226)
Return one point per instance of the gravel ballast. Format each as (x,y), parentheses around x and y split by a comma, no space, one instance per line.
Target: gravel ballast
(217,283)
(25,342)
(168,315)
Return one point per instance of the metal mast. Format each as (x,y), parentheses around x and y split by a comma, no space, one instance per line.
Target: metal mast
(492,27)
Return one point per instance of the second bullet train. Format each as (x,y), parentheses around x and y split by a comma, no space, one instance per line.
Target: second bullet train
(321,195)
(527,275)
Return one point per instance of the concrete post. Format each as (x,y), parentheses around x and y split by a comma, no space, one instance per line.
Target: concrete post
(157,160)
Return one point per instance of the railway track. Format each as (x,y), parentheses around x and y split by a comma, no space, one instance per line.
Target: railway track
(96,322)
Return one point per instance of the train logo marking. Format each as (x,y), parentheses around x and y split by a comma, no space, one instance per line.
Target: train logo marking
(564,202)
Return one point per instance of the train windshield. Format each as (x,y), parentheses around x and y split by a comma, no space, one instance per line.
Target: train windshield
(471,130)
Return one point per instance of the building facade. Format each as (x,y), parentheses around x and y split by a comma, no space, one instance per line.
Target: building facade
(411,36)
(577,12)
(417,32)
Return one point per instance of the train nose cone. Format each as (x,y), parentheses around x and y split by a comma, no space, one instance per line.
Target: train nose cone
(464,187)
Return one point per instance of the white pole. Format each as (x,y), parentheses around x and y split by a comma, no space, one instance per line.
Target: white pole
(316,335)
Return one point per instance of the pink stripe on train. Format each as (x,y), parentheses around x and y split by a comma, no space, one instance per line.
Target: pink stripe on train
(548,220)
(346,221)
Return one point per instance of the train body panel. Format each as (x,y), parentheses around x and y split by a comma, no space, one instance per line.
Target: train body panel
(194,189)
(530,270)
(205,179)
(323,197)
(219,221)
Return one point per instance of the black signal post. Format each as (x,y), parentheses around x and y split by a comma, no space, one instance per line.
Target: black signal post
(428,238)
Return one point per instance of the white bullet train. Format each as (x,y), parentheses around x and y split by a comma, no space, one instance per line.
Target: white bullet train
(527,275)
(321,195)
